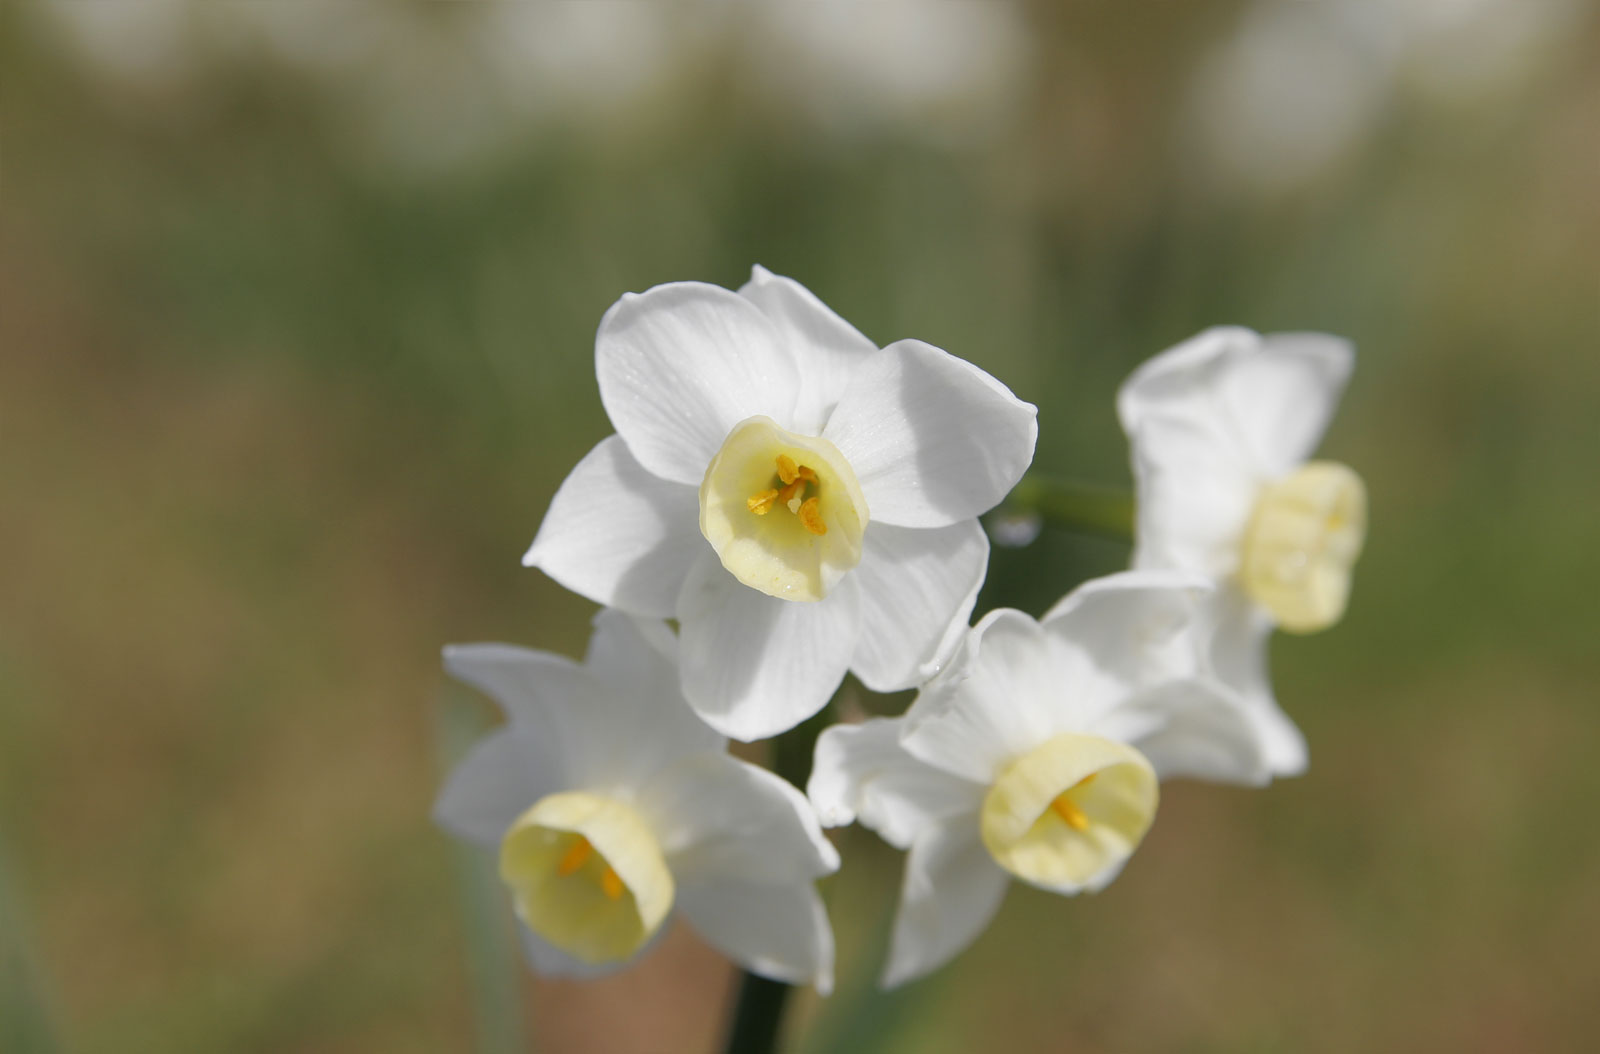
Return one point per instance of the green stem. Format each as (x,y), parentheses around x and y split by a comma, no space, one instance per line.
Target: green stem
(1085,508)
(758,1014)
(24,1020)
(492,957)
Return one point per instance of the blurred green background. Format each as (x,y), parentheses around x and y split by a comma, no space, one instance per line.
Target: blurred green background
(298,307)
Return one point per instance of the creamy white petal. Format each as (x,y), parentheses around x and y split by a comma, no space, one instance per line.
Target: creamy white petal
(951,891)
(754,665)
(681,364)
(611,722)
(618,534)
(776,930)
(933,439)
(917,592)
(1239,655)
(1283,397)
(1195,497)
(998,699)
(538,691)
(862,771)
(496,782)
(1131,630)
(827,348)
(1267,400)
(1191,728)
(636,722)
(717,818)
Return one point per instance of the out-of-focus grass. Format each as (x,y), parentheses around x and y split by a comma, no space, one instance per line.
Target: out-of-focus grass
(276,428)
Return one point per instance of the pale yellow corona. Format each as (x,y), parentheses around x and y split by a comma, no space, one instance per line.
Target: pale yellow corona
(587,875)
(1067,814)
(1303,538)
(784,512)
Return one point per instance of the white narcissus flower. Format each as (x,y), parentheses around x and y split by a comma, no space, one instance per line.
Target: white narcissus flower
(802,502)
(1036,755)
(610,804)
(1221,427)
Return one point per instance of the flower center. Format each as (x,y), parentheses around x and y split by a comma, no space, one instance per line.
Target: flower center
(795,481)
(1302,540)
(587,875)
(1066,815)
(784,512)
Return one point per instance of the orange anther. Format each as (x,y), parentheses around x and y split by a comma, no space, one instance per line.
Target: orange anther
(610,884)
(575,856)
(787,470)
(761,504)
(811,517)
(1069,812)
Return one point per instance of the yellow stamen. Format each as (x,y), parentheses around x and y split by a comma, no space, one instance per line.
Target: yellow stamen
(795,478)
(575,856)
(611,885)
(811,518)
(1070,813)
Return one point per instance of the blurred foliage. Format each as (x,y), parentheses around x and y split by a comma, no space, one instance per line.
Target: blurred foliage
(280,415)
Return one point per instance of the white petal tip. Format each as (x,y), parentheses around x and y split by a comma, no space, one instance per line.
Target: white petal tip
(835,817)
(749,724)
(894,978)
(829,857)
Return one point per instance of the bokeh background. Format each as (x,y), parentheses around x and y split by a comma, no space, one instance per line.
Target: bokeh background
(298,307)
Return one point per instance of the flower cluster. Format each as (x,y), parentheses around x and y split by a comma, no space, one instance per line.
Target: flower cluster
(804,504)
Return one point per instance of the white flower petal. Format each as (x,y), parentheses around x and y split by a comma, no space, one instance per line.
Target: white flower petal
(862,771)
(932,438)
(618,534)
(1191,728)
(1283,397)
(753,665)
(775,930)
(917,592)
(1267,399)
(1239,655)
(681,364)
(612,722)
(998,699)
(951,891)
(496,782)
(828,348)
(636,719)
(1195,497)
(717,818)
(1132,629)
(538,691)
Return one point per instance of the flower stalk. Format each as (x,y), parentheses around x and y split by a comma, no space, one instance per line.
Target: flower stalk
(1105,512)
(758,1014)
